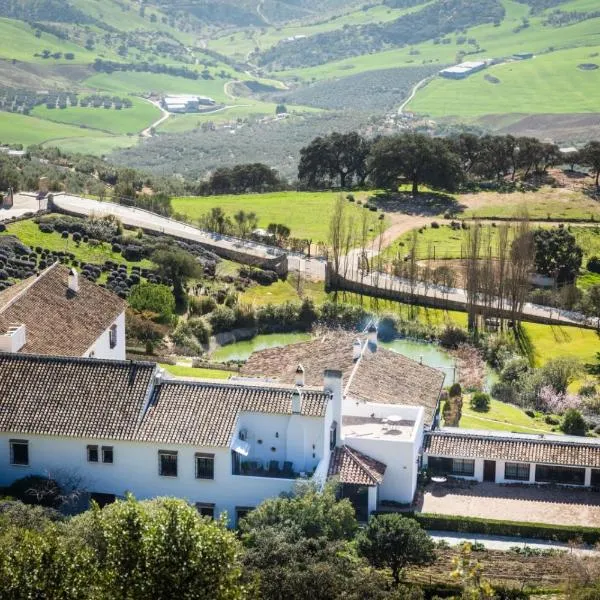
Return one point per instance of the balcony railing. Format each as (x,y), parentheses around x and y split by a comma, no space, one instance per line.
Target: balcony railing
(273,468)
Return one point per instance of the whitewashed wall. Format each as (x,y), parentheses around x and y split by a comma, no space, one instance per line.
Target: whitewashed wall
(101,347)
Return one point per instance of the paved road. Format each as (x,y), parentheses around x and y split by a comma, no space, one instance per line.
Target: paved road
(22,204)
(309,268)
(492,542)
(137,217)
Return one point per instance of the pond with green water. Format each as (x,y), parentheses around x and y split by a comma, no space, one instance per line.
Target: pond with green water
(242,350)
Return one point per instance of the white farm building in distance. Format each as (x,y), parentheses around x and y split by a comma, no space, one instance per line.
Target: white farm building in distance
(464,69)
(186,103)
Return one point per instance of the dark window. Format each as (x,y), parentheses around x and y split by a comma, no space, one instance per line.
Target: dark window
(92,453)
(112,336)
(566,475)
(439,466)
(107,454)
(516,471)
(463,467)
(205,466)
(206,510)
(595,478)
(332,435)
(19,452)
(241,512)
(167,463)
(102,499)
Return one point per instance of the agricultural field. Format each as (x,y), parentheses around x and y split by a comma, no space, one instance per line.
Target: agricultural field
(26,130)
(188,371)
(29,233)
(119,122)
(525,87)
(307,214)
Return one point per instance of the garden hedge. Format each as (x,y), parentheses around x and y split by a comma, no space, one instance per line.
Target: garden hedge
(539,531)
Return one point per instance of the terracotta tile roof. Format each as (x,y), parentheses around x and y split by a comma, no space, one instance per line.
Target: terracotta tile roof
(74,397)
(83,397)
(354,467)
(379,376)
(521,448)
(57,321)
(205,414)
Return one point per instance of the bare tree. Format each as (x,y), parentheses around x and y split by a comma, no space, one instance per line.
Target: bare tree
(472,255)
(521,262)
(337,233)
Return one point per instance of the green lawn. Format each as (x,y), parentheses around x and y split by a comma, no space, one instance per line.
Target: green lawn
(502,417)
(98,146)
(183,371)
(550,341)
(28,232)
(127,120)
(525,87)
(307,214)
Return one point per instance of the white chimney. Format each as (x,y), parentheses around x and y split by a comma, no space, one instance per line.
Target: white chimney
(372,335)
(356,349)
(300,376)
(296,402)
(332,382)
(73,280)
(14,339)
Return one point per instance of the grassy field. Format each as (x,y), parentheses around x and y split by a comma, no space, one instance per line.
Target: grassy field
(183,371)
(502,417)
(545,342)
(131,82)
(307,214)
(18,41)
(98,146)
(26,130)
(528,86)
(28,232)
(546,203)
(120,122)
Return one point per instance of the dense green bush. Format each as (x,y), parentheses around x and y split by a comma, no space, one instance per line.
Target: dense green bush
(573,423)
(200,329)
(201,305)
(480,401)
(222,319)
(452,337)
(153,297)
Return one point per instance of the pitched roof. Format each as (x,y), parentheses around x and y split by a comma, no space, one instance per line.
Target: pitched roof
(205,414)
(117,400)
(380,375)
(58,322)
(515,448)
(73,397)
(354,467)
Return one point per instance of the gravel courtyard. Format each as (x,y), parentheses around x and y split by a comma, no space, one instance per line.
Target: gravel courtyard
(541,504)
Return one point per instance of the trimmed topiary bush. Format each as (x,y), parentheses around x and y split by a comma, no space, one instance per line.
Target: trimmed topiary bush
(480,401)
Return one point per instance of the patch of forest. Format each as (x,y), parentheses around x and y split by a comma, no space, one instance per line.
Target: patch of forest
(433,21)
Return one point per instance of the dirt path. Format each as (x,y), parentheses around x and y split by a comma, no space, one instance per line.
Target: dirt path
(164,116)
(413,93)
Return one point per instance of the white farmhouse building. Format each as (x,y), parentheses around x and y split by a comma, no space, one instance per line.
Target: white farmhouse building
(120,426)
(59,312)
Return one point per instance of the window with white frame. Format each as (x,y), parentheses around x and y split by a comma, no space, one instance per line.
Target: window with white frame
(112,336)
(463,467)
(517,471)
(19,452)
(167,463)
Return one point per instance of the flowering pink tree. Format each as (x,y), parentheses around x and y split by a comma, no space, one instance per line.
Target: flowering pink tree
(553,401)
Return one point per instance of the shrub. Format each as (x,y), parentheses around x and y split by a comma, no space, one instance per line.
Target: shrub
(350,197)
(530,413)
(593,264)
(116,248)
(455,390)
(35,489)
(185,339)
(132,252)
(262,276)
(222,319)
(480,401)
(46,227)
(573,423)
(387,328)
(64,234)
(435,225)
(452,337)
(550,420)
(504,392)
(200,329)
(152,297)
(77,237)
(201,305)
